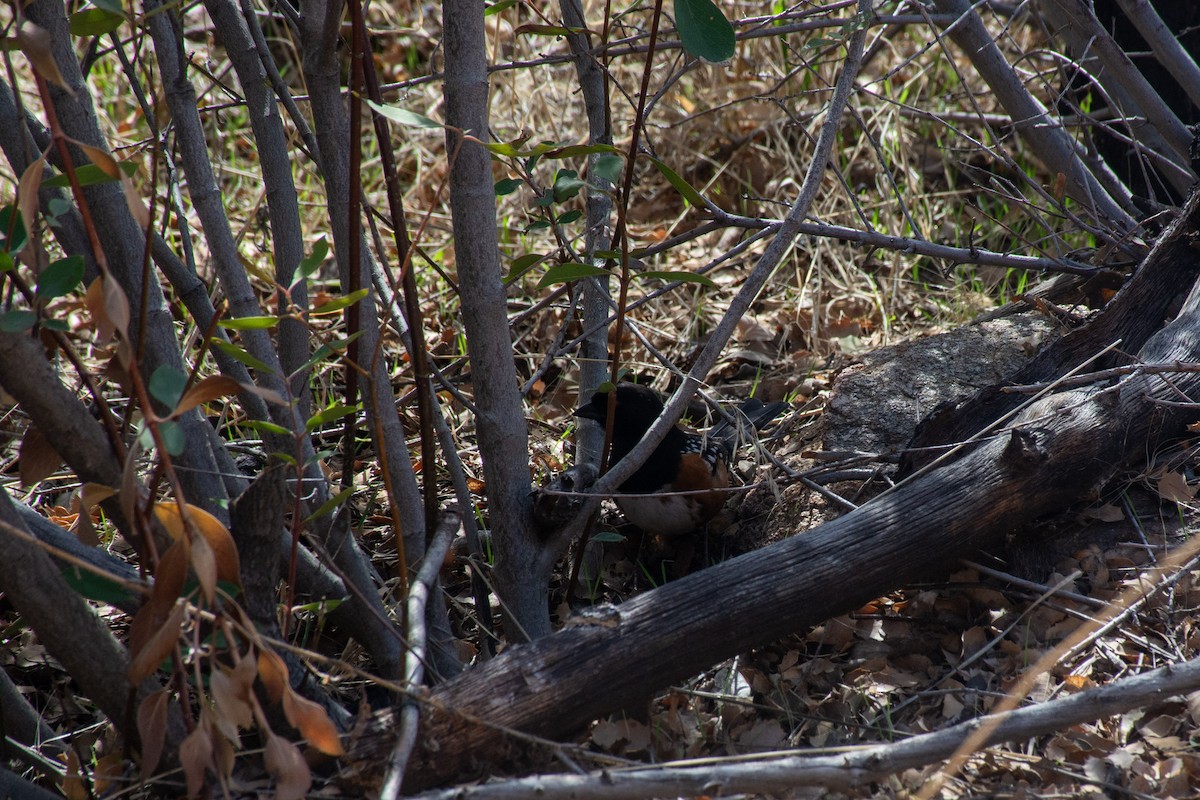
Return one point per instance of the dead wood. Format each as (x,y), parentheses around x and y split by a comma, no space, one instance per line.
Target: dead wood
(844,771)
(1057,452)
(1136,313)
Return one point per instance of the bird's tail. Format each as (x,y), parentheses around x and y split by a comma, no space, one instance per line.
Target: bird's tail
(750,415)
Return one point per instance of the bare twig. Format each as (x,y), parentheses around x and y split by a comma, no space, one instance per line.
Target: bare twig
(852,767)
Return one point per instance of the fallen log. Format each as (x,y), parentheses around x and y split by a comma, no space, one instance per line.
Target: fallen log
(1056,453)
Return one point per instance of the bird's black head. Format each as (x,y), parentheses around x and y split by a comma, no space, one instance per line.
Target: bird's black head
(637,408)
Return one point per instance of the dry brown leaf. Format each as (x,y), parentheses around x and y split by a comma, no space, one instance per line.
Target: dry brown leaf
(159,644)
(152,729)
(27,191)
(230,703)
(195,755)
(1174,487)
(101,158)
(108,770)
(83,503)
(312,722)
(204,563)
(1105,513)
(206,390)
(93,299)
(72,786)
(130,494)
(292,776)
(223,756)
(37,457)
(135,203)
(36,44)
(116,311)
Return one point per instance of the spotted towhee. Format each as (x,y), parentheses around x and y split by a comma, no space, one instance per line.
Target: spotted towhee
(682,481)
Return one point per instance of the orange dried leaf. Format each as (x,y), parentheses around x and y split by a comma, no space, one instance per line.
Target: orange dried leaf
(273,673)
(312,722)
(152,729)
(220,543)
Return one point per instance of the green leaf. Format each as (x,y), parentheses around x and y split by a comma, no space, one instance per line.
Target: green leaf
(607,537)
(239,354)
(608,167)
(60,278)
(112,6)
(540,225)
(507,186)
(522,264)
(249,323)
(56,325)
(332,503)
(17,320)
(569,217)
(681,186)
(172,436)
(56,208)
(571,271)
(333,413)
(11,220)
(502,149)
(541,30)
(167,385)
(567,184)
(320,606)
(262,426)
(576,150)
(402,116)
(327,350)
(548,149)
(97,587)
(682,277)
(89,175)
(496,8)
(338,303)
(313,261)
(704,30)
(94,22)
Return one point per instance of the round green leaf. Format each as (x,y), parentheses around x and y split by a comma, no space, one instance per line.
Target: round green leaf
(94,22)
(60,278)
(704,30)
(17,320)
